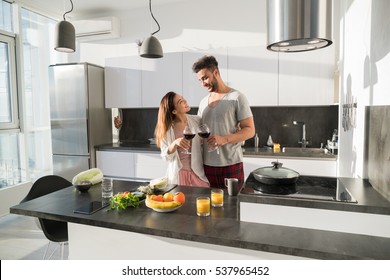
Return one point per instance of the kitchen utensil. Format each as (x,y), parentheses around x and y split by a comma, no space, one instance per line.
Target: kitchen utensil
(275,174)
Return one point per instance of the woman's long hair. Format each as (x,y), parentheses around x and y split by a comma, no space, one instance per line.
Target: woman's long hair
(165,117)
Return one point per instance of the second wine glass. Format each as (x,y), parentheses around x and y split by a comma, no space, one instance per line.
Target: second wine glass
(204,132)
(188,134)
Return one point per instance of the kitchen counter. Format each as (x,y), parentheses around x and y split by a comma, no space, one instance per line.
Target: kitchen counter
(298,153)
(368,199)
(131,146)
(144,146)
(221,231)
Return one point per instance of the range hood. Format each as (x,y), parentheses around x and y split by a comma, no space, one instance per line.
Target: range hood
(298,25)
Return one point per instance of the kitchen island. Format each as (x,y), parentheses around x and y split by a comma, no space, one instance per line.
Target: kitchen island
(141,233)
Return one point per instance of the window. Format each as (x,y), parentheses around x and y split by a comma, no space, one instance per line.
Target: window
(8,94)
(6,16)
(10,167)
(25,153)
(38,53)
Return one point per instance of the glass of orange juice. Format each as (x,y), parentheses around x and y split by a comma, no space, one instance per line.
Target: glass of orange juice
(217,197)
(203,206)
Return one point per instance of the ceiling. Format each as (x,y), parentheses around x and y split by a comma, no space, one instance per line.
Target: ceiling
(90,7)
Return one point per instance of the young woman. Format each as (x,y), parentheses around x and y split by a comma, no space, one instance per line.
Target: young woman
(184,169)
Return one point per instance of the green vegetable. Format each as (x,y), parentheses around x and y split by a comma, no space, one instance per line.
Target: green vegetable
(94,175)
(122,200)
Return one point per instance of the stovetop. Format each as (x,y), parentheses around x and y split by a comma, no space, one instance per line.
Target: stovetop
(306,187)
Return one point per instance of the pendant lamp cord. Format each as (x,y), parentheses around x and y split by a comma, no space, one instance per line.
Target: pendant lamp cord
(69,10)
(151,13)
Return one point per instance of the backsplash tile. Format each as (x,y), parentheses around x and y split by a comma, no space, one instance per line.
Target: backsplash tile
(139,124)
(378,148)
(277,121)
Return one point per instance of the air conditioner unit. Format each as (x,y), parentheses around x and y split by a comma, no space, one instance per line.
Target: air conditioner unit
(97,28)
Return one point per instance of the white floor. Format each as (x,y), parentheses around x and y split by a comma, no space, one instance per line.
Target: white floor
(21,239)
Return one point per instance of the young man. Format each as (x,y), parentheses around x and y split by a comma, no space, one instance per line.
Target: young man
(227,112)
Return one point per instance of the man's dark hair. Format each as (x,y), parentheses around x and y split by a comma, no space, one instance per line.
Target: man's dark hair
(208,62)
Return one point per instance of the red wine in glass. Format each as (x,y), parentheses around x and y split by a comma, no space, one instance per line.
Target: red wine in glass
(188,134)
(204,134)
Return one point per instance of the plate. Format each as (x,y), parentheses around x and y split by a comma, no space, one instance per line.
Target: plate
(163,210)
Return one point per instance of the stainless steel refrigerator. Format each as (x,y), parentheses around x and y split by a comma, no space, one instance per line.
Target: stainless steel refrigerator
(79,120)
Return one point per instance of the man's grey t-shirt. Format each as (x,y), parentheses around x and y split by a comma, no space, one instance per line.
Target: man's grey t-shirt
(223,120)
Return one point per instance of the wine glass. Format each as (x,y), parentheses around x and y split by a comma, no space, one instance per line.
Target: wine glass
(188,134)
(204,132)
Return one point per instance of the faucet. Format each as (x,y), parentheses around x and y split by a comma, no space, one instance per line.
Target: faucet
(303,141)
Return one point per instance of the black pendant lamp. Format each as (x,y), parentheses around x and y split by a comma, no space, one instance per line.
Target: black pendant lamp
(65,40)
(151,47)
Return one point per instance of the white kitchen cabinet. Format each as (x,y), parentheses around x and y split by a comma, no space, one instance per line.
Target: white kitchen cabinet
(307,78)
(150,166)
(116,164)
(307,167)
(122,77)
(131,165)
(254,72)
(135,82)
(160,76)
(193,91)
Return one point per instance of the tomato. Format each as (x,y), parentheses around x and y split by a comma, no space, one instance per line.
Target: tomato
(124,194)
(179,197)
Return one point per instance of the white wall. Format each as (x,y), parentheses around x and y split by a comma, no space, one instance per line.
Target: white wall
(192,25)
(364,70)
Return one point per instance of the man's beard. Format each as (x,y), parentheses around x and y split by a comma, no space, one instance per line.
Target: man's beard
(213,86)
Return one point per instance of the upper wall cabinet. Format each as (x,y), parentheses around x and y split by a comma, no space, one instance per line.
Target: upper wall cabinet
(122,77)
(307,78)
(266,78)
(134,82)
(193,91)
(160,76)
(253,71)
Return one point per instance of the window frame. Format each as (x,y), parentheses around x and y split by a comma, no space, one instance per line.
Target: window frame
(11,42)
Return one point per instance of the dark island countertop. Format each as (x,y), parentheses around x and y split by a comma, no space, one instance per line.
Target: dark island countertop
(221,228)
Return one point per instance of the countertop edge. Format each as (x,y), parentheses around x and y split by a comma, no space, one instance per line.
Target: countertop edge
(215,240)
(247,152)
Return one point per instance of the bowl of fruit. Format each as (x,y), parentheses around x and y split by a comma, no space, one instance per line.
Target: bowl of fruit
(165,203)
